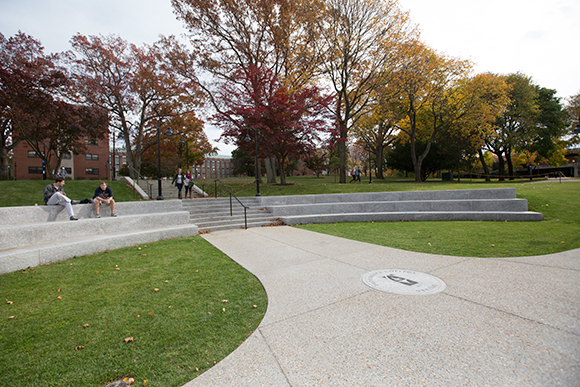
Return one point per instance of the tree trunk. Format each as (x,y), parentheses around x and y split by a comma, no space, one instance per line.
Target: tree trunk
(4,171)
(380,161)
(510,165)
(270,163)
(501,162)
(281,170)
(484,165)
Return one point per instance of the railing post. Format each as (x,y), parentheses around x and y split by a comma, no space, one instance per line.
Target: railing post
(231,210)
(215,189)
(245,218)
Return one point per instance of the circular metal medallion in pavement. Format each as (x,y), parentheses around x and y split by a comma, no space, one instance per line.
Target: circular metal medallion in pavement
(405,282)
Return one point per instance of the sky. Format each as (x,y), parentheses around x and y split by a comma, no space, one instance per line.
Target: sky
(536,37)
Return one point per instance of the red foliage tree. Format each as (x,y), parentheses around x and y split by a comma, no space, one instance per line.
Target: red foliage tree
(286,123)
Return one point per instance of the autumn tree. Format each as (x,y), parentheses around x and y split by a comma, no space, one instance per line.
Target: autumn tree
(359,41)
(137,86)
(477,103)
(425,82)
(28,78)
(286,123)
(572,111)
(187,147)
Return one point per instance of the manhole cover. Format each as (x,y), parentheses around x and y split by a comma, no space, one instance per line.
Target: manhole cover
(405,282)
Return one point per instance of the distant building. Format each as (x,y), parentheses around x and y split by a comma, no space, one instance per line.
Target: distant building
(94,165)
(214,168)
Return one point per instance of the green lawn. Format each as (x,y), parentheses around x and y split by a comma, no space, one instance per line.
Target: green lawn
(181,328)
(29,192)
(184,304)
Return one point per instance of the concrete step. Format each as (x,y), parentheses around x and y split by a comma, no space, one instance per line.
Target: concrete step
(55,251)
(461,205)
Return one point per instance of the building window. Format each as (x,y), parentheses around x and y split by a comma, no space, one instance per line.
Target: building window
(32,154)
(35,170)
(91,157)
(91,142)
(92,171)
(66,156)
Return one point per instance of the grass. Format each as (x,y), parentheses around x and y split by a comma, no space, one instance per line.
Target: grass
(29,192)
(169,297)
(181,329)
(559,231)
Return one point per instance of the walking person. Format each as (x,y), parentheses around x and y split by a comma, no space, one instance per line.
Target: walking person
(54,195)
(178,181)
(188,183)
(104,194)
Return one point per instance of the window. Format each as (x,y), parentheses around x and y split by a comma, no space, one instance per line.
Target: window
(91,142)
(91,157)
(32,154)
(92,171)
(35,170)
(66,156)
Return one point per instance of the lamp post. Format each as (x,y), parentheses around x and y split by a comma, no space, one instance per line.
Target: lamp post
(168,132)
(368,146)
(113,175)
(248,139)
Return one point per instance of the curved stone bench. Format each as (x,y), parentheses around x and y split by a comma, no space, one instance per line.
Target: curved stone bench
(37,235)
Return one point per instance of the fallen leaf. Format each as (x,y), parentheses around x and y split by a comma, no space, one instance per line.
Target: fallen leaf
(138,316)
(117,268)
(59,297)
(96,272)
(166,282)
(255,306)
(9,302)
(130,381)
(150,313)
(58,290)
(196,369)
(156,289)
(79,347)
(145,383)
(170,306)
(10,317)
(224,301)
(128,339)
(86,326)
(24,271)
(223,309)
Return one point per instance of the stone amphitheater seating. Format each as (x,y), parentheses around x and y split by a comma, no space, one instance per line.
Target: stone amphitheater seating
(37,235)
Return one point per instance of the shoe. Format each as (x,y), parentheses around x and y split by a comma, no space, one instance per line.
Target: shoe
(73,218)
(74,202)
(113,215)
(97,216)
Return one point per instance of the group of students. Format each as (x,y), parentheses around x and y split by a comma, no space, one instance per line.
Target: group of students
(54,195)
(183,180)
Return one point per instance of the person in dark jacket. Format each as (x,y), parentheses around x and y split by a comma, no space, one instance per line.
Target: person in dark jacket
(178,180)
(104,194)
(54,195)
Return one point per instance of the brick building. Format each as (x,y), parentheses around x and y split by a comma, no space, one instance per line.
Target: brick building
(214,168)
(94,165)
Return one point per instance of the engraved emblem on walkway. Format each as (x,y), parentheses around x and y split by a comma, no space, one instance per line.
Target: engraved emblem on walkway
(404,282)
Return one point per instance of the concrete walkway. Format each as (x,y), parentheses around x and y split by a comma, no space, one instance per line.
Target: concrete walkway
(498,322)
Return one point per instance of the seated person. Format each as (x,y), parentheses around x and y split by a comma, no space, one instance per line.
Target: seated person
(54,195)
(104,194)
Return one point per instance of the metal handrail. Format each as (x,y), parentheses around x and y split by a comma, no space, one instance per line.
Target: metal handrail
(231,208)
(199,183)
(149,185)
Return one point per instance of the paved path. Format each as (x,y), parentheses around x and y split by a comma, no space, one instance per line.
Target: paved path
(498,322)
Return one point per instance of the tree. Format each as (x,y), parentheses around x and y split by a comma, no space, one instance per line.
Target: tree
(136,85)
(426,82)
(550,125)
(572,111)
(317,161)
(478,102)
(378,127)
(359,42)
(285,123)
(28,80)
